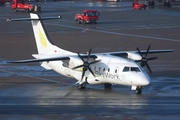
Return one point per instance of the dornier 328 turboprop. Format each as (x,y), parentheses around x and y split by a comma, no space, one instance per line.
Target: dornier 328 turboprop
(109,68)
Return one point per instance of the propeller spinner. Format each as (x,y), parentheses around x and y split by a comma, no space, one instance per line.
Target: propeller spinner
(144,60)
(86,64)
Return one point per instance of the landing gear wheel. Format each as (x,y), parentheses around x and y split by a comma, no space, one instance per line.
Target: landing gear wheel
(82,86)
(107,86)
(75,19)
(79,21)
(138,90)
(26,10)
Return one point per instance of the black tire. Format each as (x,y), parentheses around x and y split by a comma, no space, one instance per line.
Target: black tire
(168,4)
(151,3)
(79,21)
(15,9)
(26,10)
(138,90)
(107,85)
(82,86)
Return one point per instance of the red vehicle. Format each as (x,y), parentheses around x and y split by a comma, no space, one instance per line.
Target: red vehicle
(138,5)
(19,5)
(88,16)
(2,2)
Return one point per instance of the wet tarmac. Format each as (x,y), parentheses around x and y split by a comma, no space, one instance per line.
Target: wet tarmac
(27,91)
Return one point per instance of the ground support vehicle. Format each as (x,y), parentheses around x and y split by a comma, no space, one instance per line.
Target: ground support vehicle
(19,5)
(167,3)
(151,3)
(2,2)
(139,5)
(88,16)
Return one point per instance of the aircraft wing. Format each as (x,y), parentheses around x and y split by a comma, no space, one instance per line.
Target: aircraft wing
(47,59)
(66,57)
(40,60)
(125,53)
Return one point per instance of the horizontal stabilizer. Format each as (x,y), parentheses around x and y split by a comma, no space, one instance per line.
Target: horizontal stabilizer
(29,19)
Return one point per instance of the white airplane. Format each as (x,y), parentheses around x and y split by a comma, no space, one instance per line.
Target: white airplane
(109,68)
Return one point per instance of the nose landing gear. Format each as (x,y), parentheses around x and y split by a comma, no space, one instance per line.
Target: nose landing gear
(138,90)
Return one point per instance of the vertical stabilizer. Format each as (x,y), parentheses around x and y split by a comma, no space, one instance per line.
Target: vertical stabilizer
(44,45)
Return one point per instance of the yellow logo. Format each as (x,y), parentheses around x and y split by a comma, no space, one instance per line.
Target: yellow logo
(42,39)
(81,69)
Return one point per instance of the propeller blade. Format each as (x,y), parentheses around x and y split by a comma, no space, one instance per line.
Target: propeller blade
(148,67)
(83,74)
(144,60)
(89,54)
(139,52)
(147,51)
(91,71)
(78,67)
(86,64)
(80,57)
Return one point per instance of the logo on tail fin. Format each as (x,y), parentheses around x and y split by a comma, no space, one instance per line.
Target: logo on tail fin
(42,39)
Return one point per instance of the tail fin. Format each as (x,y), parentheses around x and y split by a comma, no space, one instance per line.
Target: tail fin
(44,45)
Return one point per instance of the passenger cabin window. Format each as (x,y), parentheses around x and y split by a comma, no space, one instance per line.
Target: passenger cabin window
(99,68)
(135,69)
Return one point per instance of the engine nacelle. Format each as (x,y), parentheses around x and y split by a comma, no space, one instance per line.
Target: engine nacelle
(134,56)
(73,62)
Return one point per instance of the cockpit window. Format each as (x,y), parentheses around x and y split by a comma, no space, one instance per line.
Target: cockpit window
(136,69)
(91,13)
(126,69)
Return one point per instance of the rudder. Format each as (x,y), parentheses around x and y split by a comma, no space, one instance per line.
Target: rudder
(44,45)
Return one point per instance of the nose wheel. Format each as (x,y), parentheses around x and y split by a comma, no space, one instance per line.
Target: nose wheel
(139,90)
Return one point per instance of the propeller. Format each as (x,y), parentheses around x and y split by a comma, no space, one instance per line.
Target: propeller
(86,64)
(144,60)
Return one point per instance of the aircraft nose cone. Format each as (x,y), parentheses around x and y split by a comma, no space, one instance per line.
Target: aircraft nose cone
(145,81)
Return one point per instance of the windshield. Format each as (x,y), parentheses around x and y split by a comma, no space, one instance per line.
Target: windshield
(126,69)
(91,14)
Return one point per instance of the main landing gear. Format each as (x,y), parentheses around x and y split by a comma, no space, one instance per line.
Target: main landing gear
(82,86)
(138,90)
(107,86)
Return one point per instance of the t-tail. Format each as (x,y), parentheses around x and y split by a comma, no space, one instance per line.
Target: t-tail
(44,44)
